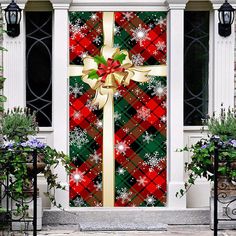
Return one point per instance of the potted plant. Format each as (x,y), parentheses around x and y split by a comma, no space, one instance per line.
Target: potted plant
(221,132)
(18,127)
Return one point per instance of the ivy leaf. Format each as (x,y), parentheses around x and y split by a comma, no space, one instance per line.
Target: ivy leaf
(100,60)
(3,98)
(120,57)
(93,74)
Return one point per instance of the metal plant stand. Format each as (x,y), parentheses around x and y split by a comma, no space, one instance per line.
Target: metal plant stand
(7,199)
(224,195)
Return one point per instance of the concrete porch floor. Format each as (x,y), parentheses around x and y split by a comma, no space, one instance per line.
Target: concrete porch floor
(193,230)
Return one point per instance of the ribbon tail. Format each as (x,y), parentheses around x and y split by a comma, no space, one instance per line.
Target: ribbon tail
(158,70)
(100,99)
(139,74)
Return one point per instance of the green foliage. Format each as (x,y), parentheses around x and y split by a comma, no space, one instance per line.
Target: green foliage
(222,131)
(223,125)
(93,74)
(18,123)
(100,60)
(120,57)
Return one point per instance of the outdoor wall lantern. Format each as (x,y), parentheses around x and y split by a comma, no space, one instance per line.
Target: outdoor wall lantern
(13,17)
(226,18)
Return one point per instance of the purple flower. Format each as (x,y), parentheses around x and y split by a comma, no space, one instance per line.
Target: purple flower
(204,146)
(233,142)
(33,143)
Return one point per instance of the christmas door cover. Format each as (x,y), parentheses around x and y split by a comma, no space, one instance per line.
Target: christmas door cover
(139,113)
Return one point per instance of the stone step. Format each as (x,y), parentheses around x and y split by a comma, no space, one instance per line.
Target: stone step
(125,219)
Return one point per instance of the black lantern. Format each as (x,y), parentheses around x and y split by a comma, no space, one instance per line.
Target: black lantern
(226,18)
(13,17)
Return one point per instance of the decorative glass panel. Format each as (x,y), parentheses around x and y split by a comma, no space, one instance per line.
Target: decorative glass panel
(196,58)
(39,65)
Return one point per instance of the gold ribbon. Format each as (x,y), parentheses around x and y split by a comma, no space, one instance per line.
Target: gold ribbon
(104,97)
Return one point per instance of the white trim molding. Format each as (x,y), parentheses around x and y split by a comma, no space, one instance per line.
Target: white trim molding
(223,63)
(175,127)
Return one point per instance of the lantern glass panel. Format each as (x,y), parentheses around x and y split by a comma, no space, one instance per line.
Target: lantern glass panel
(7,16)
(13,17)
(227,17)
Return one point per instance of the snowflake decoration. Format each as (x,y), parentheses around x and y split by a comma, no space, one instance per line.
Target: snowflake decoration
(77,115)
(78,138)
(97,40)
(76,90)
(158,88)
(117,116)
(117,30)
(147,138)
(123,195)
(91,106)
(128,15)
(163,119)
(150,200)
(94,17)
(117,94)
(142,181)
(99,124)
(137,91)
(96,157)
(98,186)
(117,45)
(163,104)
(82,55)
(140,34)
(153,160)
(137,60)
(143,113)
(126,130)
(121,147)
(161,22)
(77,176)
(151,25)
(121,171)
(78,202)
(77,30)
(99,30)
(160,46)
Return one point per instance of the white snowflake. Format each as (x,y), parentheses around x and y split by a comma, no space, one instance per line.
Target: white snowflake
(128,15)
(150,200)
(78,138)
(160,46)
(82,55)
(97,204)
(78,202)
(97,40)
(126,130)
(117,30)
(121,147)
(76,90)
(117,94)
(142,181)
(77,176)
(143,113)
(98,186)
(140,34)
(117,116)
(137,91)
(99,30)
(121,171)
(91,106)
(159,90)
(94,17)
(123,195)
(163,119)
(77,30)
(96,157)
(99,124)
(153,160)
(117,45)
(137,60)
(77,115)
(147,138)
(161,22)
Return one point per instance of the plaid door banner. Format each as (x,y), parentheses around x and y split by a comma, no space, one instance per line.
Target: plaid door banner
(135,153)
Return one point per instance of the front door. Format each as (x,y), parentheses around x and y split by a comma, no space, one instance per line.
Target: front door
(118,92)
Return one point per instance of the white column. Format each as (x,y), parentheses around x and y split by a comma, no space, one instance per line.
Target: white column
(60,89)
(14,63)
(175,102)
(223,63)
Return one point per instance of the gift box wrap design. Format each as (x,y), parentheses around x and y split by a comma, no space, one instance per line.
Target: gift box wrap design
(139,115)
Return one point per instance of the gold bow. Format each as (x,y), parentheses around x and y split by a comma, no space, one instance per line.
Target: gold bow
(114,79)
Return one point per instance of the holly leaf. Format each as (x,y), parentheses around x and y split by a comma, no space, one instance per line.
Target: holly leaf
(120,57)
(100,60)
(93,74)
